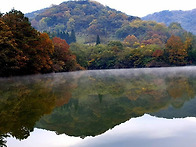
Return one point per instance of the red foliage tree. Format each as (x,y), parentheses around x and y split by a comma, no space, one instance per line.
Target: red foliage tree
(63,60)
(44,50)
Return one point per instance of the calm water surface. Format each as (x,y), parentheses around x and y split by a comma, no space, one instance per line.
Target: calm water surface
(126,107)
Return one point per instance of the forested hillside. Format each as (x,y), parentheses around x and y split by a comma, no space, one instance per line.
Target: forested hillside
(88,35)
(87,18)
(187,19)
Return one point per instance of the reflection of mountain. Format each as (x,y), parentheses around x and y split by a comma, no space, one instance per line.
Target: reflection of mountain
(91,102)
(187,110)
(89,117)
(103,100)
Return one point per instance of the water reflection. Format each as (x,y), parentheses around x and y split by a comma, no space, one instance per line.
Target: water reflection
(143,131)
(22,103)
(88,103)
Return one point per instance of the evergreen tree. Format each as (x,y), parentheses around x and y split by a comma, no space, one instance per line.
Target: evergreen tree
(67,38)
(98,40)
(72,36)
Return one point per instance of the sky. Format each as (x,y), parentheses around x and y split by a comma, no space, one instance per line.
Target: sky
(131,7)
(140,131)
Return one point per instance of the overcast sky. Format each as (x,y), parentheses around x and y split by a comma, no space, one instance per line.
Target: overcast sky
(131,7)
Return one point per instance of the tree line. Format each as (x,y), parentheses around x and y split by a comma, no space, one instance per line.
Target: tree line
(132,53)
(24,50)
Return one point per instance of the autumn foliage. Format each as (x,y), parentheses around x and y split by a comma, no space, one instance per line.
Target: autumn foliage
(177,51)
(131,41)
(11,58)
(63,60)
(24,50)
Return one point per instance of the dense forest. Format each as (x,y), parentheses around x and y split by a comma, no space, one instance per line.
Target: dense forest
(87,18)
(126,41)
(92,37)
(186,18)
(24,50)
(150,45)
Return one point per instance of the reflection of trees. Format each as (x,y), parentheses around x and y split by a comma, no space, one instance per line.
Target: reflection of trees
(88,103)
(23,101)
(2,140)
(21,105)
(101,101)
(180,89)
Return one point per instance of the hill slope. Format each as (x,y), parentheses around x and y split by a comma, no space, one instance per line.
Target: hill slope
(187,19)
(85,17)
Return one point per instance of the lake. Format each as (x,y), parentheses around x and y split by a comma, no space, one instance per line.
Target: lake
(151,107)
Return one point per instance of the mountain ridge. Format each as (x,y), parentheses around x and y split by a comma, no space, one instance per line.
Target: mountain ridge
(90,19)
(187,18)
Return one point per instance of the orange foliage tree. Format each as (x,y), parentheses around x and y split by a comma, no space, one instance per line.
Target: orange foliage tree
(44,50)
(131,40)
(26,39)
(24,50)
(11,58)
(176,51)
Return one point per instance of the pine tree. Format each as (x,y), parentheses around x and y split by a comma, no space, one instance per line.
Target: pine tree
(98,40)
(72,36)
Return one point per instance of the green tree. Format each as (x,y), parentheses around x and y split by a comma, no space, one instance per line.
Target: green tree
(102,57)
(82,53)
(115,45)
(176,29)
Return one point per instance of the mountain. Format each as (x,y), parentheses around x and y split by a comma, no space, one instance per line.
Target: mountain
(86,18)
(187,19)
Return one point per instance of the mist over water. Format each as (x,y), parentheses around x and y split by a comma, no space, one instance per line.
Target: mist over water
(89,103)
(131,73)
